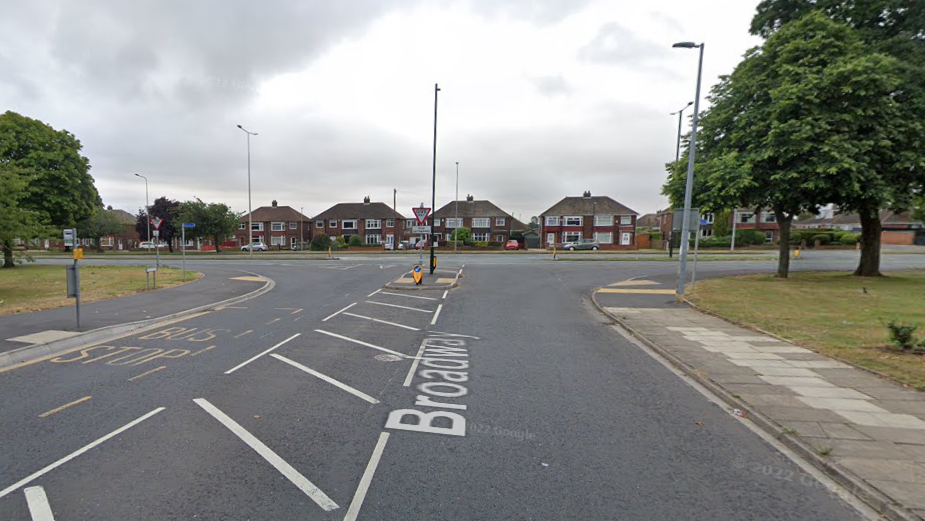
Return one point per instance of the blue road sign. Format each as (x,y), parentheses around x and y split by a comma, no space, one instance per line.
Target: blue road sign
(189,225)
(417,268)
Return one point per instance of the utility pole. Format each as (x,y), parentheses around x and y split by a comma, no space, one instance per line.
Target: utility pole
(456,217)
(433,192)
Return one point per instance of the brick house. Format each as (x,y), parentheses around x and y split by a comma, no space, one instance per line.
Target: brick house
(125,240)
(745,219)
(487,222)
(610,223)
(898,227)
(375,223)
(276,226)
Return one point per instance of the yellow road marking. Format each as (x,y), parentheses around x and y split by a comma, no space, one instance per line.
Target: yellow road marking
(202,350)
(244,333)
(250,279)
(65,406)
(635,283)
(274,320)
(147,373)
(296,311)
(445,281)
(638,291)
(404,281)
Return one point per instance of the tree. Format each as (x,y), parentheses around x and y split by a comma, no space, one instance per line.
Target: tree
(721,223)
(100,224)
(165,209)
(16,222)
(463,233)
(895,28)
(214,221)
(918,210)
(355,241)
(59,188)
(321,242)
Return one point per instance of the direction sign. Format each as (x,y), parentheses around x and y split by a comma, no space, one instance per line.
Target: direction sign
(156,222)
(421,214)
(189,225)
(69,237)
(420,229)
(417,273)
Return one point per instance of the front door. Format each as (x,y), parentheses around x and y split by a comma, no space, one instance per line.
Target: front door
(550,238)
(625,238)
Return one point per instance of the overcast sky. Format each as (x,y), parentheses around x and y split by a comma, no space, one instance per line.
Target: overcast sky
(539,98)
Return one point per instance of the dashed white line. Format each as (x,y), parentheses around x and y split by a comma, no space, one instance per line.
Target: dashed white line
(408,296)
(414,364)
(374,292)
(360,342)
(445,293)
(367,478)
(386,322)
(78,452)
(437,314)
(272,458)
(351,390)
(397,306)
(235,368)
(339,312)
(37,501)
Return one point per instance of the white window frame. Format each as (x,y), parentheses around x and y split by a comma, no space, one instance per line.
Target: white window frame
(481,237)
(481,222)
(769,235)
(373,238)
(708,218)
(603,237)
(293,225)
(571,236)
(374,224)
(242,227)
(746,218)
(552,220)
(626,220)
(106,241)
(499,238)
(332,223)
(768,217)
(319,224)
(603,220)
(706,232)
(573,220)
(410,222)
(550,238)
(256,227)
(277,227)
(499,221)
(350,224)
(453,222)
(390,223)
(278,240)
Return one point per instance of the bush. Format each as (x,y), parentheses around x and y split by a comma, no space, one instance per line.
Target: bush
(717,242)
(320,242)
(822,239)
(340,243)
(902,335)
(355,240)
(849,239)
(463,234)
(657,236)
(481,244)
(796,238)
(750,237)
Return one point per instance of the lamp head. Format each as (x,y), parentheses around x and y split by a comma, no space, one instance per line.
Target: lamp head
(685,45)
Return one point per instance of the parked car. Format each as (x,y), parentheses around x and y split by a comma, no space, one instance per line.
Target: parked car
(581,244)
(149,245)
(512,245)
(388,246)
(258,246)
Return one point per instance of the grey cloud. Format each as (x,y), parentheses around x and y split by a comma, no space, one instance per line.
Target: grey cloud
(617,45)
(540,11)
(552,85)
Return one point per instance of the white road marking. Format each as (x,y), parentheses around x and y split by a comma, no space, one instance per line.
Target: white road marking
(452,334)
(339,312)
(355,341)
(235,368)
(272,458)
(367,478)
(414,365)
(382,321)
(78,452)
(351,390)
(445,293)
(397,306)
(437,314)
(409,296)
(374,292)
(39,508)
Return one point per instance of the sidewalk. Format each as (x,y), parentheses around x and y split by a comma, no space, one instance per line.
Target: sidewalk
(49,325)
(866,432)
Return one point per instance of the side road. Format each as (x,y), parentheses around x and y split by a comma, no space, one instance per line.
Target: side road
(864,431)
(56,325)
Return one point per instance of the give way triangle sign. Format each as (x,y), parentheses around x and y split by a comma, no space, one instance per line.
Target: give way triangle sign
(421,214)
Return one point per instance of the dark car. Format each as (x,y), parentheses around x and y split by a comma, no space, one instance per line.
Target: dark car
(581,244)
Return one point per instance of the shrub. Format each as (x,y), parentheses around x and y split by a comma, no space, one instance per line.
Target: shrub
(339,242)
(355,240)
(750,237)
(657,236)
(796,238)
(902,335)
(822,238)
(481,244)
(849,239)
(320,242)
(717,242)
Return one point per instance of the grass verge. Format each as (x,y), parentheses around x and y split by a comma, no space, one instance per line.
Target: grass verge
(833,313)
(34,287)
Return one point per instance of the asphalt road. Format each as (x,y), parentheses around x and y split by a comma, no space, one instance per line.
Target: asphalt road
(290,406)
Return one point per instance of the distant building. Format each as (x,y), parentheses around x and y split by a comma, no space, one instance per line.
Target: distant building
(274,225)
(601,218)
(898,227)
(375,223)
(487,222)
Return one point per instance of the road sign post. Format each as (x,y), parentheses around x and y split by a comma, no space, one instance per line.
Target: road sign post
(421,213)
(156,222)
(183,246)
(73,282)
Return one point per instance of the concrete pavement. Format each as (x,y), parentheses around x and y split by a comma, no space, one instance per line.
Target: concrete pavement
(865,431)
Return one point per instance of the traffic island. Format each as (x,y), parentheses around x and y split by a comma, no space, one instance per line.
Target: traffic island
(441,279)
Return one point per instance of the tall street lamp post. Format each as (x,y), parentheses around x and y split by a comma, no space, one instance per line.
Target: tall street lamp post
(680,113)
(147,206)
(456,218)
(433,193)
(689,186)
(250,217)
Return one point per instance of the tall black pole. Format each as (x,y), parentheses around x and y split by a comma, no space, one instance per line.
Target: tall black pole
(433,188)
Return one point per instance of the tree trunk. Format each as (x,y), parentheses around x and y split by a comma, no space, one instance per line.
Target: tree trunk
(871,229)
(170,245)
(8,261)
(784,220)
(218,245)
(99,244)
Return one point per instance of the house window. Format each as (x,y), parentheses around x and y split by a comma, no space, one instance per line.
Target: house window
(410,222)
(499,221)
(348,224)
(746,217)
(707,218)
(257,227)
(332,223)
(768,217)
(106,241)
(481,222)
(573,220)
(374,238)
(390,223)
(453,222)
(626,220)
(319,224)
(277,241)
(769,236)
(293,243)
(277,227)
(373,224)
(552,221)
(293,225)
(499,238)
(242,226)
(604,237)
(571,236)
(481,237)
(390,239)
(706,232)
(603,220)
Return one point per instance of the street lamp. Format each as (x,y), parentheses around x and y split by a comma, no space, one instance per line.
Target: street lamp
(456,218)
(433,193)
(680,113)
(301,228)
(250,217)
(147,207)
(689,186)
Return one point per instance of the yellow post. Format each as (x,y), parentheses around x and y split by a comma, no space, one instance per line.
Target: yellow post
(78,253)
(796,253)
(329,252)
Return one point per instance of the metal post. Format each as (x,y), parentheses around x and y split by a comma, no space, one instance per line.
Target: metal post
(735,217)
(77,288)
(456,217)
(696,256)
(147,204)
(689,187)
(250,217)
(157,250)
(680,113)
(301,228)
(433,192)
(183,249)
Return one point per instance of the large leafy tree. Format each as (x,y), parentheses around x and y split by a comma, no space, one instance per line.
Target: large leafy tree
(59,188)
(102,223)
(16,222)
(895,28)
(215,221)
(166,209)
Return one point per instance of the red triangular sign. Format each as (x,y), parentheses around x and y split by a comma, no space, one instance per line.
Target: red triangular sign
(156,221)
(421,214)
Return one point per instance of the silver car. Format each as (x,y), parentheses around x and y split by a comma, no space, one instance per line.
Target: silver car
(581,244)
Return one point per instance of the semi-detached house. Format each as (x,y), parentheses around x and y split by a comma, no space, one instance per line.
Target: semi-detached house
(601,218)
(279,226)
(487,222)
(375,223)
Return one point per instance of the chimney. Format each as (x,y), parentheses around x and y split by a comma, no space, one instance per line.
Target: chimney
(366,200)
(109,208)
(587,194)
(470,199)
(274,203)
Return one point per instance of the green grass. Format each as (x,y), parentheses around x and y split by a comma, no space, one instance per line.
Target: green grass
(33,287)
(833,313)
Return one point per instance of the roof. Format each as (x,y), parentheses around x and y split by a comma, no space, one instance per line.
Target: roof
(649,219)
(596,205)
(469,209)
(343,211)
(124,217)
(842,219)
(275,214)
